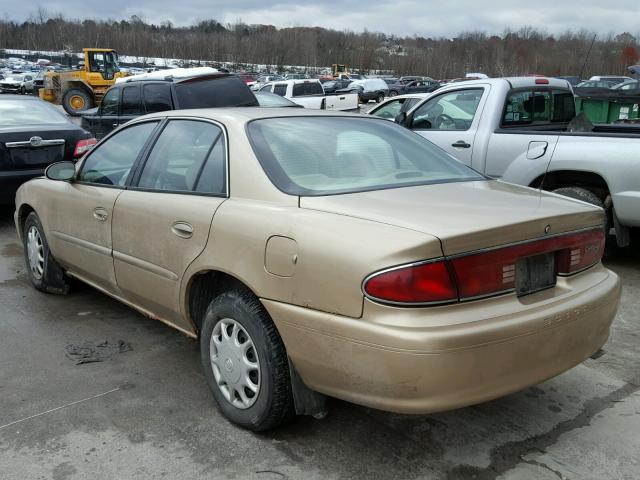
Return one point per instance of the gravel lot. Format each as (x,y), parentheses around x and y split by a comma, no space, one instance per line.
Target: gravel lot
(147,413)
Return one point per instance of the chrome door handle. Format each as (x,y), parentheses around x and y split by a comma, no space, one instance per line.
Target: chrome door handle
(100,214)
(182,229)
(114,124)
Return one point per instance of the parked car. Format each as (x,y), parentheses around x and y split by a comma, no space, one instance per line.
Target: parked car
(414,86)
(268,99)
(523,131)
(310,94)
(611,78)
(34,134)
(479,289)
(336,84)
(627,85)
(17,83)
(264,79)
(296,76)
(572,79)
(367,89)
(596,84)
(130,99)
(393,106)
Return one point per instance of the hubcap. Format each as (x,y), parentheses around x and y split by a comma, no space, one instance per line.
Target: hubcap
(35,252)
(235,363)
(77,102)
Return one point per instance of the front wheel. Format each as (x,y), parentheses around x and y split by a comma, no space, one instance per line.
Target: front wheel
(245,362)
(75,101)
(23,90)
(44,272)
(380,98)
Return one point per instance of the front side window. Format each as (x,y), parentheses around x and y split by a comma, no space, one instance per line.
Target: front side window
(450,111)
(528,107)
(309,156)
(109,105)
(131,101)
(111,161)
(188,156)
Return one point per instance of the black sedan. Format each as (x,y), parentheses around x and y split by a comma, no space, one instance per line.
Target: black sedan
(34,134)
(414,86)
(332,85)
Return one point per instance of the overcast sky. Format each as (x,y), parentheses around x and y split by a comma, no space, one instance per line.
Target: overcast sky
(403,17)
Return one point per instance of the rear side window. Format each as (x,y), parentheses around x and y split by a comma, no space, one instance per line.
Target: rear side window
(109,105)
(111,161)
(189,156)
(131,101)
(215,92)
(307,88)
(157,97)
(528,107)
(280,89)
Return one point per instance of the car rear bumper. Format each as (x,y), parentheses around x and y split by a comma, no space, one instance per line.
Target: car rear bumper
(426,360)
(10,180)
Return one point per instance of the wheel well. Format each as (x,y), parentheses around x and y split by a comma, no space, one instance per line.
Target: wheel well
(204,287)
(573,178)
(23,213)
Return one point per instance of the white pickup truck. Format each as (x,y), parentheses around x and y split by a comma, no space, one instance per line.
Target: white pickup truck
(310,94)
(525,131)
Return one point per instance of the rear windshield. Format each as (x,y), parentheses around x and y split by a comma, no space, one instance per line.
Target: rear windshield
(527,107)
(29,112)
(215,92)
(307,88)
(309,156)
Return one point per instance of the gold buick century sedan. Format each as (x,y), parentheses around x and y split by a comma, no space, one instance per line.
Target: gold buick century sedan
(315,253)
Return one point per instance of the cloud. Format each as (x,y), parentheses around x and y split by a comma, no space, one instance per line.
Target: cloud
(402,17)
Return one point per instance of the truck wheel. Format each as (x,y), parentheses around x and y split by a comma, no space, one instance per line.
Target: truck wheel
(44,272)
(245,362)
(75,100)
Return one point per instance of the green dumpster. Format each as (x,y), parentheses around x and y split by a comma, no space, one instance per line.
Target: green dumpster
(609,107)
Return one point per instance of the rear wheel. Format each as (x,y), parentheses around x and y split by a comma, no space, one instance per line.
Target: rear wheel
(44,272)
(393,93)
(75,100)
(380,98)
(245,362)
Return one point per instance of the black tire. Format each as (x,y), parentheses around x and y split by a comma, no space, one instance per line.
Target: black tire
(580,193)
(393,93)
(380,98)
(23,90)
(67,101)
(52,279)
(274,403)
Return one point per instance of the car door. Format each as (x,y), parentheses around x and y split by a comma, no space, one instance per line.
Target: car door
(450,120)
(161,224)
(106,118)
(82,223)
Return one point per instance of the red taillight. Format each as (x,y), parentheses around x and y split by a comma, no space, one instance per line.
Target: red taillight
(484,273)
(542,81)
(419,283)
(83,146)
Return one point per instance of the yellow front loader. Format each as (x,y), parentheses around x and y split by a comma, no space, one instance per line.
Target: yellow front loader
(82,88)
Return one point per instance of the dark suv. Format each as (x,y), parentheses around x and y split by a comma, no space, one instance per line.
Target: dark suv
(132,98)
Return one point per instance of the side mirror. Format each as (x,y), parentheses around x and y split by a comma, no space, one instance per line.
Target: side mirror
(63,171)
(401,119)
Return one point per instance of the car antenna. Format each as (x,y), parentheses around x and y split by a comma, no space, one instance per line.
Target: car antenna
(586,58)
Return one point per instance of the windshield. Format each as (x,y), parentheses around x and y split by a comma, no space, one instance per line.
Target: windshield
(310,156)
(15,78)
(28,112)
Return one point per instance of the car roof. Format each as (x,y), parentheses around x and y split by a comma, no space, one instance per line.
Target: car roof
(411,95)
(515,82)
(241,115)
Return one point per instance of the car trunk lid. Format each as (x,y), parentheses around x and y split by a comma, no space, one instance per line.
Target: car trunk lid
(466,216)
